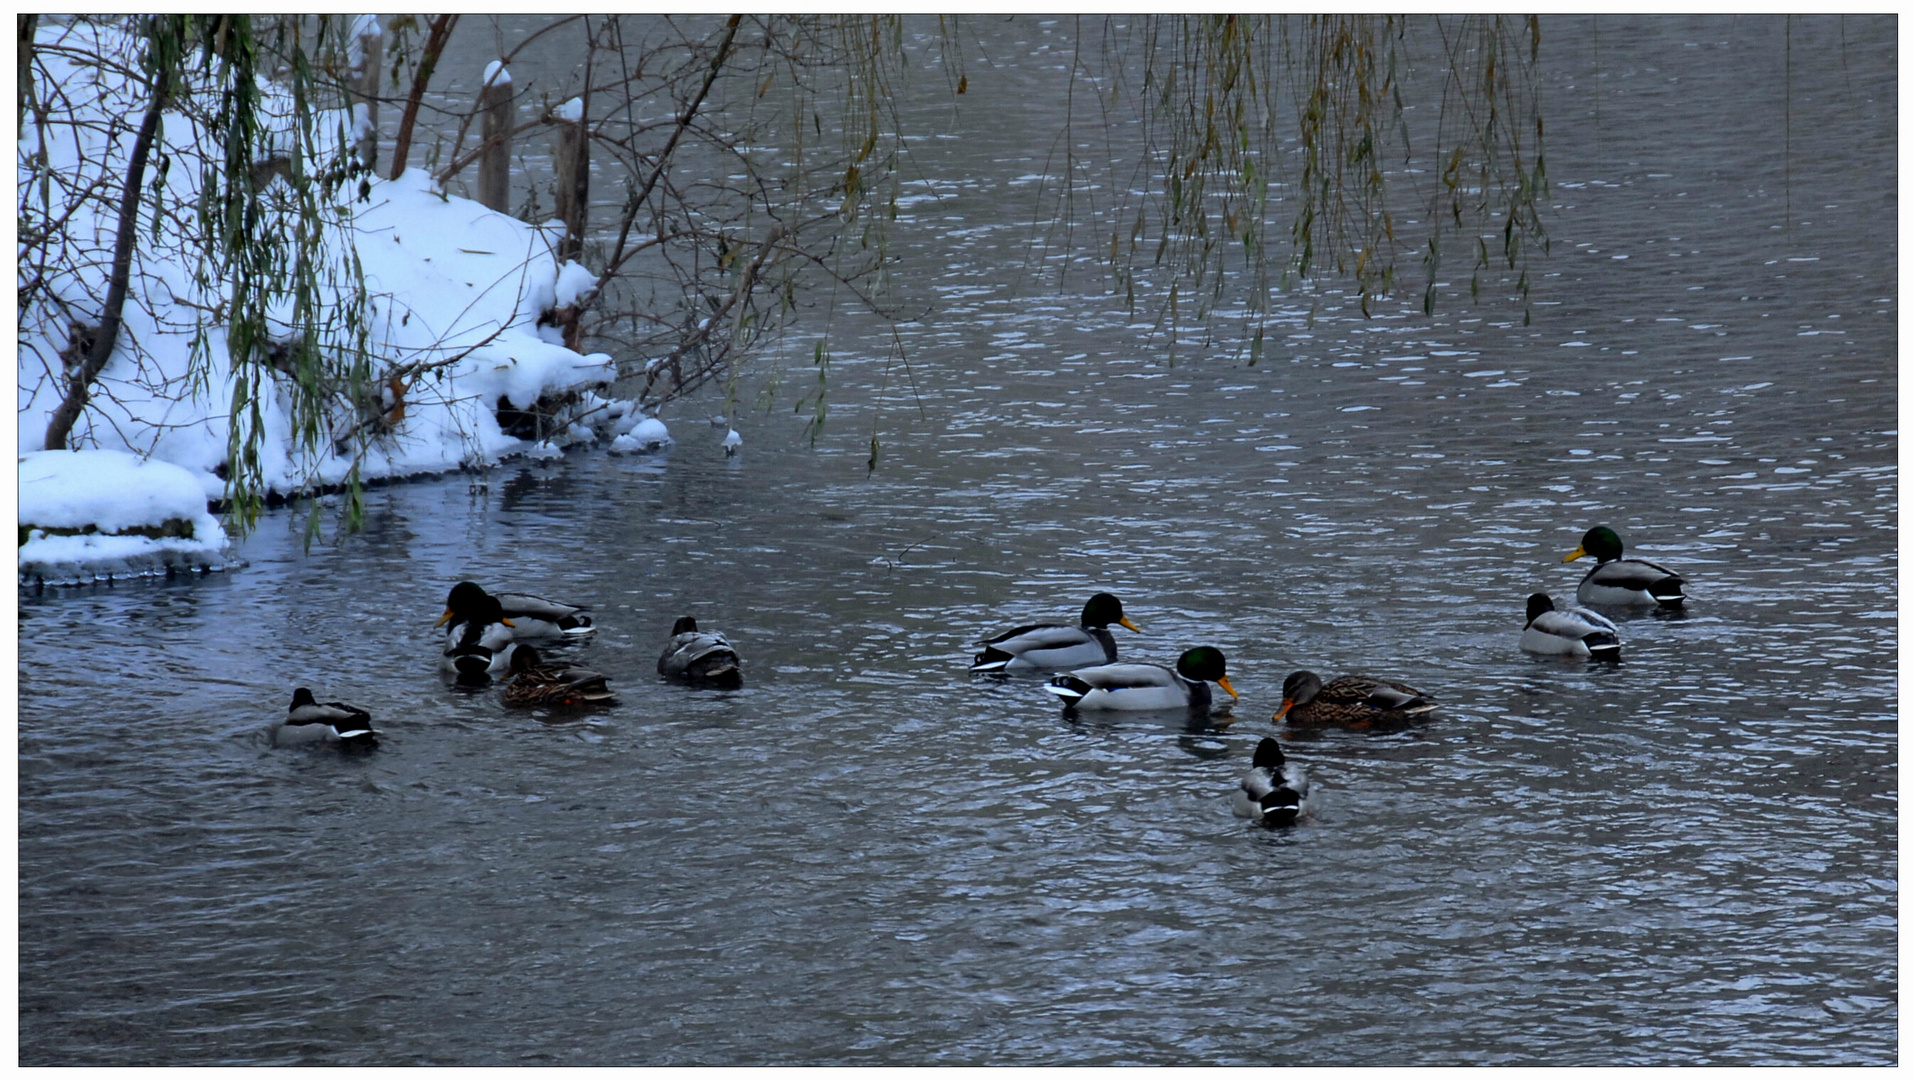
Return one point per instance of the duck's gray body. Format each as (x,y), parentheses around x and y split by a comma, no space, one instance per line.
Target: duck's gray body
(1145,686)
(1055,646)
(701,657)
(1631,583)
(1047,647)
(1275,791)
(1573,632)
(536,617)
(308,721)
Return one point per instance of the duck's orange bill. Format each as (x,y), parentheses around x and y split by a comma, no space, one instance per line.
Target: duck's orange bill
(1224,683)
(1575,554)
(1287,704)
(1124,621)
(445,618)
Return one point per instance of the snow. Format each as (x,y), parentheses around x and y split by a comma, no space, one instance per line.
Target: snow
(732,441)
(570,112)
(496,74)
(573,282)
(78,510)
(646,435)
(455,294)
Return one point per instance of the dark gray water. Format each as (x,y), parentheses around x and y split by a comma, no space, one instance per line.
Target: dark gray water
(867,856)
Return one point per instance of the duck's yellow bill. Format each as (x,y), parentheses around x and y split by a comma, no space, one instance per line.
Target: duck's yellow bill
(1287,704)
(445,618)
(1575,554)
(506,621)
(1124,621)
(1224,683)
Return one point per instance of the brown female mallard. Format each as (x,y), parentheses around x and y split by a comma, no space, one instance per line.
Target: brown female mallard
(534,682)
(1350,701)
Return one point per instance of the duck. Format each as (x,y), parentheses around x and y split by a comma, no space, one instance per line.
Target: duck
(1146,686)
(1275,790)
(479,644)
(1618,582)
(1050,646)
(534,682)
(1573,632)
(529,616)
(700,656)
(1350,701)
(309,721)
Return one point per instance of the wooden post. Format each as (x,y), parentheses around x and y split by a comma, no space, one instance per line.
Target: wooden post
(365,86)
(571,161)
(494,168)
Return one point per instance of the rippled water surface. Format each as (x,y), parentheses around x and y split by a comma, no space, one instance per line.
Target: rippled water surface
(868,856)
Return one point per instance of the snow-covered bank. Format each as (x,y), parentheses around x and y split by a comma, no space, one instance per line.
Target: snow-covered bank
(467,366)
(90,515)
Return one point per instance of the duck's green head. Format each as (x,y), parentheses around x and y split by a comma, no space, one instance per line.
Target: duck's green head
(1299,688)
(1206,664)
(1104,609)
(1601,542)
(463,601)
(1268,754)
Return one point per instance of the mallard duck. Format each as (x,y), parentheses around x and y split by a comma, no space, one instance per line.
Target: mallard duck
(529,616)
(309,721)
(1350,701)
(1574,632)
(1048,646)
(1145,686)
(699,656)
(479,644)
(1275,791)
(1615,581)
(534,682)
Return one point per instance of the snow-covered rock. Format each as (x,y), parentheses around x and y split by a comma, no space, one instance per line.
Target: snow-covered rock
(93,515)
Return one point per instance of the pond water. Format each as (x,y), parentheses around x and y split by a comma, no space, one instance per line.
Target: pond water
(869,856)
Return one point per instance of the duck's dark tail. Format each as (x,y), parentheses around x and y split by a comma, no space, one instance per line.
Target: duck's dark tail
(1668,591)
(1068,687)
(1602,645)
(990,659)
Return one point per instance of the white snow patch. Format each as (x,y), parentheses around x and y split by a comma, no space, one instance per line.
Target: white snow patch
(496,74)
(570,112)
(573,282)
(110,493)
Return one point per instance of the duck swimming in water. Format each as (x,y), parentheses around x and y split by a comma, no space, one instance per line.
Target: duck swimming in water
(1350,701)
(700,656)
(1146,686)
(1049,646)
(1275,790)
(534,682)
(478,646)
(309,721)
(1617,582)
(529,616)
(1574,632)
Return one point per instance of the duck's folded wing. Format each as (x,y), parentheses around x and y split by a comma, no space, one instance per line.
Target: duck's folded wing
(1037,636)
(516,603)
(1392,697)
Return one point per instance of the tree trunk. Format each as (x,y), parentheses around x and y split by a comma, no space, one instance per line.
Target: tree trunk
(494,169)
(365,87)
(435,44)
(93,358)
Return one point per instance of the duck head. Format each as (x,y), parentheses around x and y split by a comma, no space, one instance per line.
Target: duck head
(523,658)
(684,625)
(1103,609)
(1268,755)
(468,601)
(1206,664)
(1299,688)
(1601,542)
(1538,605)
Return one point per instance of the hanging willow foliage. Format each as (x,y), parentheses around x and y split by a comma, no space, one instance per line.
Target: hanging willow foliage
(1254,125)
